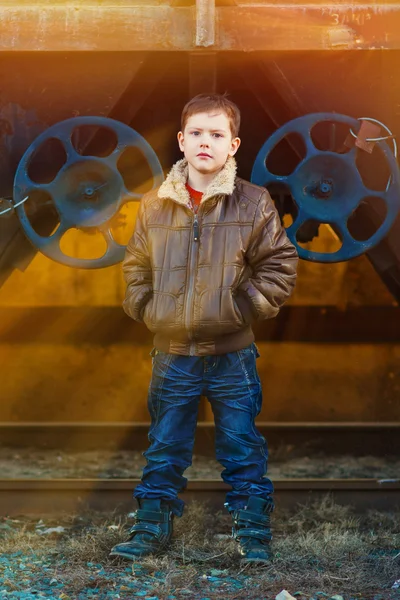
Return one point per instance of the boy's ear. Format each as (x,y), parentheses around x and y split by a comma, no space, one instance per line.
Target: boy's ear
(180,140)
(234,146)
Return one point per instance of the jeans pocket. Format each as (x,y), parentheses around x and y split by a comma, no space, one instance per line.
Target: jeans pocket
(249,351)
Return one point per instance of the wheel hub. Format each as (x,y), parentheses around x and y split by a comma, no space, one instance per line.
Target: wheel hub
(326,186)
(89,193)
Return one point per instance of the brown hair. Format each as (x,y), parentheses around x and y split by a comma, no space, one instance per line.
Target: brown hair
(209,102)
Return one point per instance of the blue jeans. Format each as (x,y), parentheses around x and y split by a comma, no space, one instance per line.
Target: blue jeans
(232,386)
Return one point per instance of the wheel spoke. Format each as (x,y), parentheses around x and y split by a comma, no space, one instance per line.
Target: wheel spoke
(55,238)
(332,137)
(297,223)
(303,128)
(346,237)
(350,157)
(262,176)
(112,245)
(127,137)
(72,154)
(112,159)
(310,147)
(128,196)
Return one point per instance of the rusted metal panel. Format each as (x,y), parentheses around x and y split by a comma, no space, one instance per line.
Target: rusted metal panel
(249,26)
(311,26)
(106,27)
(205,23)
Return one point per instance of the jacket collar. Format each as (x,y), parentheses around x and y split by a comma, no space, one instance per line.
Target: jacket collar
(174,185)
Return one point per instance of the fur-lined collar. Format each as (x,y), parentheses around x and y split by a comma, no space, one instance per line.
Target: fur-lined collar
(174,186)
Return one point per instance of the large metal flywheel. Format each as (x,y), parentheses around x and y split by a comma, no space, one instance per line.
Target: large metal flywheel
(88,191)
(327,187)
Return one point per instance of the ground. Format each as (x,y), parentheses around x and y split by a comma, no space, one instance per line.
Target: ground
(106,464)
(320,551)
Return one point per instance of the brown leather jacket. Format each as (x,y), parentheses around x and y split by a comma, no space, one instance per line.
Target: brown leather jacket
(199,281)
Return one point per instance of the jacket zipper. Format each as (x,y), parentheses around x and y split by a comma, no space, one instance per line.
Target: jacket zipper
(194,243)
(196,228)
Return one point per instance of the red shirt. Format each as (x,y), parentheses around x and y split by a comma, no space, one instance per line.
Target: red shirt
(195,197)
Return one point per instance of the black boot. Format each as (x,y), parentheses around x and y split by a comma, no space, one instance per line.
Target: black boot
(151,532)
(251,529)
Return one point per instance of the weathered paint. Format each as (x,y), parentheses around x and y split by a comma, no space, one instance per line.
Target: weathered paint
(249,26)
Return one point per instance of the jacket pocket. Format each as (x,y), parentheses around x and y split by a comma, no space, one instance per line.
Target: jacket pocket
(147,310)
(244,307)
(236,307)
(217,309)
(160,311)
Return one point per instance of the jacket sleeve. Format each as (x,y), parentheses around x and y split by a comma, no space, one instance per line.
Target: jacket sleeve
(272,259)
(137,269)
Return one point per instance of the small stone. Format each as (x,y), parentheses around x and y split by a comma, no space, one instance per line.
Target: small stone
(50,530)
(284,595)
(216,572)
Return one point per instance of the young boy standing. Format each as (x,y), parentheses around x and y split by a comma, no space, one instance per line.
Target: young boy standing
(207,258)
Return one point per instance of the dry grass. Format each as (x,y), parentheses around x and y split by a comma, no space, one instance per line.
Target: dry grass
(321,547)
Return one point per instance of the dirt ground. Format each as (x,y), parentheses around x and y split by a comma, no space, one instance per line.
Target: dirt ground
(105,464)
(320,551)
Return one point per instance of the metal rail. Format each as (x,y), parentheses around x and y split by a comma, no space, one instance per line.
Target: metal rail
(35,496)
(55,496)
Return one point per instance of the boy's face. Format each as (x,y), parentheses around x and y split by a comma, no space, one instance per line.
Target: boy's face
(207,142)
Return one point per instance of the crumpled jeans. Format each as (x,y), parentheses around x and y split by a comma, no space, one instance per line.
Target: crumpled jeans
(232,386)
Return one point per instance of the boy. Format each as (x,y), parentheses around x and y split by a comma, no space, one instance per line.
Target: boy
(207,258)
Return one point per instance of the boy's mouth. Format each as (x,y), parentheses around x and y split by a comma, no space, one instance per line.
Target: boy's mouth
(204,155)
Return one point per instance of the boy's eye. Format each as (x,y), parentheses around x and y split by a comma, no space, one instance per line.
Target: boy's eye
(218,135)
(195,132)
